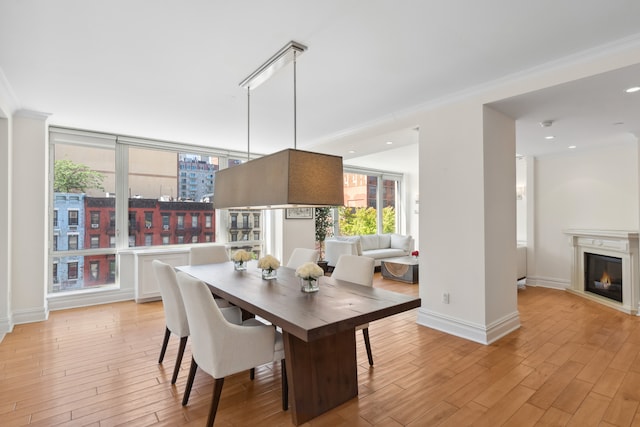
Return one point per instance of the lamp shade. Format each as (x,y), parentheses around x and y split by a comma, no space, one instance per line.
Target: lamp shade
(288,178)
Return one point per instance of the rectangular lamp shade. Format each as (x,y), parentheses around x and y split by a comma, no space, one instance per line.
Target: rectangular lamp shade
(288,178)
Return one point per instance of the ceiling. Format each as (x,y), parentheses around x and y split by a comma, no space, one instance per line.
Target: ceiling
(170,70)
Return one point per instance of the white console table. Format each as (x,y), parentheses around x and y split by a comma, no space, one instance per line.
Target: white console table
(135,266)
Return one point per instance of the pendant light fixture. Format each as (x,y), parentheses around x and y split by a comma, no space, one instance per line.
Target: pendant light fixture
(288,178)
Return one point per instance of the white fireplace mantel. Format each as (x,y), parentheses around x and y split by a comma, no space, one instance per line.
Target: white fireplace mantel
(615,243)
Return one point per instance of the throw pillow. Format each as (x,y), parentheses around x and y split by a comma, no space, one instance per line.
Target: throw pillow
(384,241)
(401,242)
(369,242)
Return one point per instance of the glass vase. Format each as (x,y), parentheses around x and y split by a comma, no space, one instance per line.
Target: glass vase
(309,285)
(239,265)
(269,274)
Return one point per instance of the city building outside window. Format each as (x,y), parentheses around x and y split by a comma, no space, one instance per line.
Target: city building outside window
(95,219)
(72,242)
(72,273)
(94,270)
(73,217)
(148,220)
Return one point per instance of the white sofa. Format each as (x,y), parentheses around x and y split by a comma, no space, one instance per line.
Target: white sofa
(376,246)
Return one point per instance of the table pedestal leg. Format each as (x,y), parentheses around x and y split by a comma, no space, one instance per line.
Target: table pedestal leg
(322,373)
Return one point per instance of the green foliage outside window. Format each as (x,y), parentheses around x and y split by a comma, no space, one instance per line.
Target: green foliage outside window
(357,221)
(388,220)
(71,177)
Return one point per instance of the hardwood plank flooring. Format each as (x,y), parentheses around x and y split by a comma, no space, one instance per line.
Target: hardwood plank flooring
(573,363)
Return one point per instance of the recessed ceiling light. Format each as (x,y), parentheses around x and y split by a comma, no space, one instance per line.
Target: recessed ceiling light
(351,151)
(389,142)
(618,123)
(549,137)
(571,147)
(633,89)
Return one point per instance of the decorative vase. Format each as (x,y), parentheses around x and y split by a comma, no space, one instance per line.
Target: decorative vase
(309,285)
(269,274)
(239,265)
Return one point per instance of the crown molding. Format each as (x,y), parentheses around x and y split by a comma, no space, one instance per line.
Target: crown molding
(408,117)
(31,114)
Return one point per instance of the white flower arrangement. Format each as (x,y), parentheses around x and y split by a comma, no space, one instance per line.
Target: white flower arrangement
(268,262)
(309,271)
(241,256)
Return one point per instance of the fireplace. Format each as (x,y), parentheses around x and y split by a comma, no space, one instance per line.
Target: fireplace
(603,275)
(605,267)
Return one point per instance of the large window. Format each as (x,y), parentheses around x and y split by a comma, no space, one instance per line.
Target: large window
(364,193)
(83,176)
(110,193)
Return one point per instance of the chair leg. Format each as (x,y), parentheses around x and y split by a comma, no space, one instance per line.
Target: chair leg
(252,373)
(285,386)
(176,369)
(167,334)
(367,344)
(217,391)
(187,388)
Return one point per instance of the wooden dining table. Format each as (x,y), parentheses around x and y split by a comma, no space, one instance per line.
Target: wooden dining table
(318,328)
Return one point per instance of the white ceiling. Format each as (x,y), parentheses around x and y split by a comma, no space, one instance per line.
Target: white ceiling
(170,69)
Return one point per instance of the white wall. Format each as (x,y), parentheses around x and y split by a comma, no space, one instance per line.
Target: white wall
(594,189)
(6,322)
(30,219)
(402,160)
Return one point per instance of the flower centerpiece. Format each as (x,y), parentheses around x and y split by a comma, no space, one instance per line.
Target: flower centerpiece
(309,272)
(269,265)
(240,259)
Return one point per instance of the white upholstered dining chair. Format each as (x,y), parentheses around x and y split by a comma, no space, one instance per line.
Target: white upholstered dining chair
(208,254)
(301,255)
(357,269)
(221,348)
(174,312)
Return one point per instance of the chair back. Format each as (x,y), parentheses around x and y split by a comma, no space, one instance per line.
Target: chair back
(174,312)
(208,254)
(355,268)
(219,347)
(301,255)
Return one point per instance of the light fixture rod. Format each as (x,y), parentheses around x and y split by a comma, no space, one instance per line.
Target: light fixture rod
(295,105)
(248,123)
(273,64)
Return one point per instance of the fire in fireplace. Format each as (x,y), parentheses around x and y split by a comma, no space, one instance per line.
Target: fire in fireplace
(603,275)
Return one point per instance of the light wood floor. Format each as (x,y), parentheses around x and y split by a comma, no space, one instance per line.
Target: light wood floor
(572,362)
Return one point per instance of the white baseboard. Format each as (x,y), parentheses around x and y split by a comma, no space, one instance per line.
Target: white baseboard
(31,315)
(483,334)
(61,302)
(6,326)
(549,282)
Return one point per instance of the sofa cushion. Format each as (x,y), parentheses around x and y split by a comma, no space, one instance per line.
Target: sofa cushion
(384,241)
(369,241)
(354,239)
(401,242)
(384,253)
